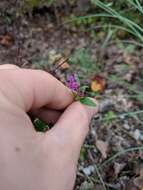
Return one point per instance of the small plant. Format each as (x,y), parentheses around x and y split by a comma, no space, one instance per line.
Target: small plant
(109,116)
(129,24)
(79,91)
(40,126)
(81,57)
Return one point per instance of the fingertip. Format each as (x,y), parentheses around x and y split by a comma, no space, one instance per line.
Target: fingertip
(74,122)
(86,112)
(72,127)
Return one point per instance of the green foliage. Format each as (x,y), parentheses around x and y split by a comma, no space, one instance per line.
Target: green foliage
(124,16)
(82,57)
(109,116)
(87,101)
(130,24)
(83,88)
(80,21)
(125,151)
(128,48)
(132,88)
(40,126)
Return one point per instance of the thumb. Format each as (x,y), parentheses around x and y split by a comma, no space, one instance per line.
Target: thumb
(72,127)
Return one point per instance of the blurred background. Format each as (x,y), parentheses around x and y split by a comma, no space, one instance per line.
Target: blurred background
(101,42)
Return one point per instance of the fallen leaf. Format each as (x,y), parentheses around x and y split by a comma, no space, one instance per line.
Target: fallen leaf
(127,58)
(138,181)
(131,60)
(129,76)
(130,186)
(6,40)
(98,187)
(102,147)
(86,185)
(118,167)
(63,64)
(97,84)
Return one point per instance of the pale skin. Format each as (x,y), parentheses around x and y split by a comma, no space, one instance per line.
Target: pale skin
(39,161)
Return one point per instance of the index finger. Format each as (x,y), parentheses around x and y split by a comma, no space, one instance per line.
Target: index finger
(33,89)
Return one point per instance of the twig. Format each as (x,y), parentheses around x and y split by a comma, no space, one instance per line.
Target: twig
(100,177)
(58,66)
(98,172)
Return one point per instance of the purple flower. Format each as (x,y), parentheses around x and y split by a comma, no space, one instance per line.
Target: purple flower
(72,82)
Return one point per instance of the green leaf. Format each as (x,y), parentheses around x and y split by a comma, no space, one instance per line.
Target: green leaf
(83,88)
(87,101)
(40,126)
(92,94)
(109,116)
(77,98)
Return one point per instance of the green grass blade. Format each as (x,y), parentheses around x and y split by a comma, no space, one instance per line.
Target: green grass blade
(108,161)
(136,5)
(129,23)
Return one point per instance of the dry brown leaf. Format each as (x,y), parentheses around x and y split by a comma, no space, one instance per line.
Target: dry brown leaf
(138,181)
(118,167)
(98,187)
(97,84)
(62,64)
(6,40)
(127,58)
(130,186)
(131,60)
(102,147)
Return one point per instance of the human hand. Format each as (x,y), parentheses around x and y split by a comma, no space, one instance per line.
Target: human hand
(39,161)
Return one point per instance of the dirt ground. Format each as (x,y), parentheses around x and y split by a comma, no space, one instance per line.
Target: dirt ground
(112,156)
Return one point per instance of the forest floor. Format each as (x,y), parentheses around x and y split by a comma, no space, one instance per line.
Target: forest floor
(112,156)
